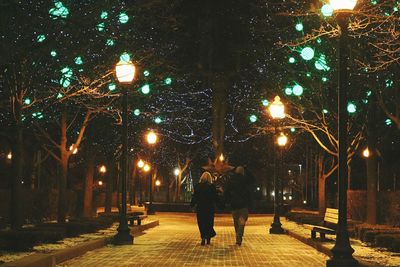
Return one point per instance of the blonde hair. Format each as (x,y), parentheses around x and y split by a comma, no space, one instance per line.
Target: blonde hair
(206,177)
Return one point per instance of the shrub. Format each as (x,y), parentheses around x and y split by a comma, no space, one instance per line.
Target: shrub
(18,240)
(386,240)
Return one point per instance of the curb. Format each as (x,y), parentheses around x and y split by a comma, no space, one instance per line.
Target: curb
(51,259)
(320,247)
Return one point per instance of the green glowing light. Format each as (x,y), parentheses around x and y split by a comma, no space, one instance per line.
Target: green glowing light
(365,101)
(53,53)
(145,89)
(388,122)
(319,40)
(40,38)
(59,11)
(168,81)
(265,102)
(395,9)
(78,61)
(158,120)
(104,15)
(292,129)
(308,74)
(123,18)
(307,53)
(292,60)
(27,101)
(110,42)
(288,91)
(67,72)
(65,82)
(321,64)
(298,90)
(299,27)
(369,93)
(327,10)
(324,79)
(253,118)
(100,27)
(388,83)
(351,108)
(325,111)
(374,2)
(112,86)
(59,95)
(125,57)
(136,112)
(146,73)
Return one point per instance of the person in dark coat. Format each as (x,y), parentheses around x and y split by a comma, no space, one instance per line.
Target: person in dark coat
(238,193)
(204,199)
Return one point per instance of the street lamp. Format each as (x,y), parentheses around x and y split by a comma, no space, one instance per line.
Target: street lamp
(342,250)
(125,72)
(277,111)
(150,210)
(102,169)
(151,137)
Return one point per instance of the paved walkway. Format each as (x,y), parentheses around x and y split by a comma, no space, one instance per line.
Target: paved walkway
(176,242)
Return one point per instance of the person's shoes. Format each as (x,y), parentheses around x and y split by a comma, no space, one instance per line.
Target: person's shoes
(239,243)
(208,240)
(203,241)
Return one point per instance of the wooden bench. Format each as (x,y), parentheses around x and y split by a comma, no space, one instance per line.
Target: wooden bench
(329,225)
(135,216)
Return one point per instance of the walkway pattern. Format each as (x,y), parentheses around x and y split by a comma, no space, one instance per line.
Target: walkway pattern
(176,242)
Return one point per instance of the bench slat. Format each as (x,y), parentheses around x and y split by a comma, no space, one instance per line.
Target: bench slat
(324,230)
(330,210)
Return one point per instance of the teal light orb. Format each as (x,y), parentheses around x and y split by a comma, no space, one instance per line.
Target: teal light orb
(292,60)
(59,11)
(388,83)
(125,57)
(123,18)
(110,42)
(307,53)
(325,111)
(388,122)
(168,81)
(145,89)
(158,120)
(321,64)
(288,91)
(265,102)
(298,90)
(78,61)
(59,96)
(253,118)
(67,72)
(112,86)
(27,101)
(146,73)
(319,40)
(40,38)
(369,93)
(351,108)
(327,10)
(136,112)
(65,82)
(299,27)
(292,129)
(53,53)
(100,27)
(324,79)
(104,15)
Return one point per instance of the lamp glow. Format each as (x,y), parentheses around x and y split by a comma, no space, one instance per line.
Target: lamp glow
(146,167)
(103,169)
(125,71)
(9,155)
(282,139)
(140,164)
(151,137)
(277,109)
(157,183)
(343,4)
(366,153)
(177,171)
(221,157)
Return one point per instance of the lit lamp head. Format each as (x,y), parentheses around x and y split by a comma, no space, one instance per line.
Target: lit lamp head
(125,71)
(151,137)
(177,171)
(345,5)
(158,183)
(366,153)
(282,140)
(221,157)
(103,169)
(277,109)
(146,167)
(140,164)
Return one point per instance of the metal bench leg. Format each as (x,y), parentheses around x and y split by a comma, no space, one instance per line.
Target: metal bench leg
(313,234)
(322,236)
(139,222)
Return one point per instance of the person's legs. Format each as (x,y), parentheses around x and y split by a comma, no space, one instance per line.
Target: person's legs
(235,216)
(202,226)
(243,215)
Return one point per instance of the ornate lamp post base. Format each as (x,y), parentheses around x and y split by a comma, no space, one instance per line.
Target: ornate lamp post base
(276,227)
(351,262)
(123,237)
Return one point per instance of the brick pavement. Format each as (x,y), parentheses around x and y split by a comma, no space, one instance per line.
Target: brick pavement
(176,242)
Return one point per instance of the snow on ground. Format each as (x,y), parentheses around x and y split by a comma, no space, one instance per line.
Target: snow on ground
(7,256)
(371,255)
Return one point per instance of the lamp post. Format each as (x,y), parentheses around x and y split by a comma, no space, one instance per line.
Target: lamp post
(151,138)
(140,165)
(277,111)
(146,169)
(342,250)
(125,72)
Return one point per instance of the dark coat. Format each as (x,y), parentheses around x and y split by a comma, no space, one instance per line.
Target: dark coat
(237,190)
(204,199)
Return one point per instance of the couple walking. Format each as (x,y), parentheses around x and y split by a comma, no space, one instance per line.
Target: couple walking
(236,193)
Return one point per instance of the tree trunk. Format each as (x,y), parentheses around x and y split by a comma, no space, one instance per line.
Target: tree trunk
(109,188)
(16,217)
(62,185)
(219,108)
(321,195)
(88,193)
